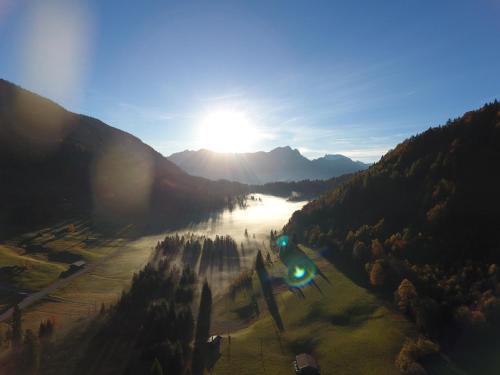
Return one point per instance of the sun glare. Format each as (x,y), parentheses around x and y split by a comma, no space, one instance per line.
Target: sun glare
(227,131)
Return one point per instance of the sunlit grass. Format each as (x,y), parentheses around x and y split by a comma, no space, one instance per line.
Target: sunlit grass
(346,328)
(102,284)
(38,272)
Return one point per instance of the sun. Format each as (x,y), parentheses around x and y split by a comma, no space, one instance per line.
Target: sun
(227,131)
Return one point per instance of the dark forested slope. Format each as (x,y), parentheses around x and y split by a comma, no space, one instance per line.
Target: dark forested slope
(427,212)
(55,164)
(301,190)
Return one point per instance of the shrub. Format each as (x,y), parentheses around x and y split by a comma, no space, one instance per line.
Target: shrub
(412,352)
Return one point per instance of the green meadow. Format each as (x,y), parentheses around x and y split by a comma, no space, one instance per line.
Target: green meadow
(344,326)
(35,260)
(37,272)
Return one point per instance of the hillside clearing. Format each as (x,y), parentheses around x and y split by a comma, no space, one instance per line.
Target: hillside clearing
(337,322)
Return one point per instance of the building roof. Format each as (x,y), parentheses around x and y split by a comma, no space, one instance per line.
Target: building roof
(79,263)
(305,360)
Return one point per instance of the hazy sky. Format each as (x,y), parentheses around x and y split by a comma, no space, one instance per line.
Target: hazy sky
(351,77)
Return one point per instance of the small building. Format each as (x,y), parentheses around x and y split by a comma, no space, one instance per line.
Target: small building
(214,343)
(305,364)
(73,267)
(213,351)
(78,265)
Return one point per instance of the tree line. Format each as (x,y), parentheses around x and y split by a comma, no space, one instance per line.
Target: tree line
(201,253)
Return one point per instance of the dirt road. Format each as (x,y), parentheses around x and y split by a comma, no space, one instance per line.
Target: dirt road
(37,296)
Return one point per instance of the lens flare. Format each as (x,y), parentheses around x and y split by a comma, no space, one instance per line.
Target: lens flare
(123,181)
(282,241)
(55,47)
(300,272)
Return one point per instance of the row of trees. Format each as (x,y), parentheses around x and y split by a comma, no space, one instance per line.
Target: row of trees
(27,346)
(200,251)
(301,190)
(155,316)
(155,313)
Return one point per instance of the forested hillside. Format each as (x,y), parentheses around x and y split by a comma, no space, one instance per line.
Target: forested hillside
(423,223)
(55,164)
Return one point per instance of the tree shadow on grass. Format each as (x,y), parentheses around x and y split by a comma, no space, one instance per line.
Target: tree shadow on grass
(298,292)
(267,292)
(317,287)
(349,268)
(245,312)
(303,345)
(355,315)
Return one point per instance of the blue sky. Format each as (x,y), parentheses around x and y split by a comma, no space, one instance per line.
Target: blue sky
(351,77)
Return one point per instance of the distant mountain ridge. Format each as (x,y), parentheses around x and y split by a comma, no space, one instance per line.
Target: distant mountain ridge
(279,164)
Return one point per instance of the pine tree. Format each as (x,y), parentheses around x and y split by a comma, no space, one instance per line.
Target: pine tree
(202,331)
(49,328)
(31,351)
(42,330)
(259,263)
(156,369)
(16,326)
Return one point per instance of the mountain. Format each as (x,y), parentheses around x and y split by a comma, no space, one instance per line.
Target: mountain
(340,164)
(55,165)
(423,223)
(280,164)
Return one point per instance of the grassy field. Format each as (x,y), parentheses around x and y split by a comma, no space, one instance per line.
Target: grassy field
(35,260)
(38,272)
(345,327)
(41,256)
(82,297)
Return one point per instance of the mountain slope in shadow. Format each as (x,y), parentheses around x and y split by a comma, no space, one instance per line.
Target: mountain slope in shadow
(55,164)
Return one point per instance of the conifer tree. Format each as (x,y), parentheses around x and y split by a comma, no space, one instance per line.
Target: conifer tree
(16,326)
(31,351)
(42,330)
(156,369)
(202,331)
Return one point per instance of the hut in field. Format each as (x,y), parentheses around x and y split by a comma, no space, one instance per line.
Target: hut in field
(213,350)
(78,265)
(305,364)
(213,344)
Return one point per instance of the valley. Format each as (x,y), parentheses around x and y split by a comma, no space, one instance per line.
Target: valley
(244,188)
(355,243)
(111,262)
